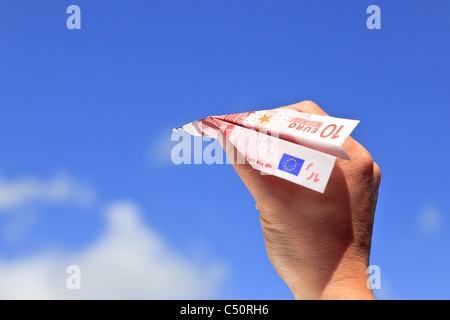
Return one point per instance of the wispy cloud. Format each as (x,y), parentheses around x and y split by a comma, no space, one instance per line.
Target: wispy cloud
(161,148)
(431,220)
(129,261)
(29,190)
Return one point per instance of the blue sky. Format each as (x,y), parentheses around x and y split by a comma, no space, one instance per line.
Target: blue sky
(86,119)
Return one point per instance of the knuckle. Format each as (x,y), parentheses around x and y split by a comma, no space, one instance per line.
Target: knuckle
(367,162)
(307,106)
(377,172)
(369,167)
(362,157)
(308,103)
(357,151)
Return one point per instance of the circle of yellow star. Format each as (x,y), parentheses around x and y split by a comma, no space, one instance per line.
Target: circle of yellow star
(289,161)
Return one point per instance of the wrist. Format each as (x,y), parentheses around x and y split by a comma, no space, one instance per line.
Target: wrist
(348,282)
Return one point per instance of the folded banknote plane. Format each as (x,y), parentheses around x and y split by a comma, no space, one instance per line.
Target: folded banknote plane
(299,147)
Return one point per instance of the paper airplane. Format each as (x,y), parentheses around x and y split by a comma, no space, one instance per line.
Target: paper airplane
(299,147)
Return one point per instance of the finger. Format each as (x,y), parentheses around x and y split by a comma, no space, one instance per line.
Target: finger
(354,149)
(240,164)
(306,107)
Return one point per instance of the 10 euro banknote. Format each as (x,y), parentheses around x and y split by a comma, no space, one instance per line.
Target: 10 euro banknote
(299,147)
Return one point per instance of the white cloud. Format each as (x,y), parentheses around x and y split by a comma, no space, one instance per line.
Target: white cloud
(29,190)
(161,148)
(431,220)
(129,261)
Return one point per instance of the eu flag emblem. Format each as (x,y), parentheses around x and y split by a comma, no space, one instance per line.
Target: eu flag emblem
(290,164)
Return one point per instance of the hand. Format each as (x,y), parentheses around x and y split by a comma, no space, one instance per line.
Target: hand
(319,243)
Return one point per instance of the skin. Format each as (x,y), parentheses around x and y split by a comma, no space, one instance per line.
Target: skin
(319,243)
